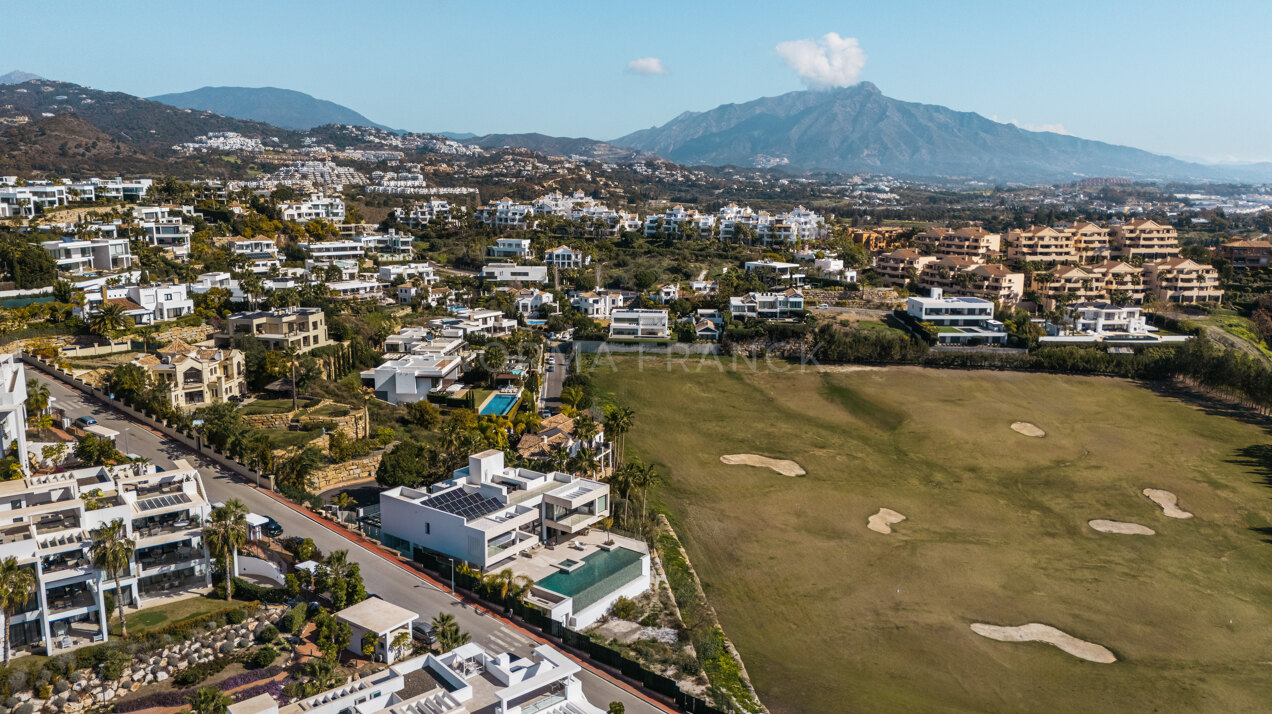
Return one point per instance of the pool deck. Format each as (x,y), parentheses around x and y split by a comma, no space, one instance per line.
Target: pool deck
(540,562)
(481,408)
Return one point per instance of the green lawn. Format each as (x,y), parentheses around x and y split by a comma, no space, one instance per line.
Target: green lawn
(282,438)
(267,406)
(330,411)
(142,621)
(830,616)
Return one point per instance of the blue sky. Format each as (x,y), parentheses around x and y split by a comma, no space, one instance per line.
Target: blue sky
(1182,78)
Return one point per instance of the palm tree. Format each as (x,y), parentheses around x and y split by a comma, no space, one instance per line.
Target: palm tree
(507,585)
(109,316)
(37,396)
(447,632)
(344,502)
(292,352)
(146,332)
(209,700)
(225,533)
(620,482)
(112,552)
(572,396)
(17,583)
(618,421)
(643,476)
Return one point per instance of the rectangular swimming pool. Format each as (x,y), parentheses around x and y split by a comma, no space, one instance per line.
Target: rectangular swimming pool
(499,405)
(602,572)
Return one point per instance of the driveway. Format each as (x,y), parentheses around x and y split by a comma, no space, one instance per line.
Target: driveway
(383,577)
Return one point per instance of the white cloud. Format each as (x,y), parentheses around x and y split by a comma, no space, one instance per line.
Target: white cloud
(831,61)
(647,65)
(1053,128)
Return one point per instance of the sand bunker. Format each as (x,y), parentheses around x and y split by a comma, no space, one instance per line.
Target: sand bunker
(1120,528)
(782,466)
(1036,632)
(1024,427)
(881,521)
(1168,502)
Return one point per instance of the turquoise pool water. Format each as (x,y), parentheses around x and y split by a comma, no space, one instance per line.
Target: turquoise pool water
(602,572)
(499,405)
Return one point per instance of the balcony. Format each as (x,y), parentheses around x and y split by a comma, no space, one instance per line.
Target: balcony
(149,560)
(71,600)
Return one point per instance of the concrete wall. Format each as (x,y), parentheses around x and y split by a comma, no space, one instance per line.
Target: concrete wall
(107,349)
(653,348)
(247,565)
(596,610)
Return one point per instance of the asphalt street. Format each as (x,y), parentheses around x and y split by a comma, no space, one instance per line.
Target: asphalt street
(382,577)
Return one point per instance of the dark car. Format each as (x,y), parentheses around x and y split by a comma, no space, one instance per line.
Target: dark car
(424,632)
(272,528)
(85,421)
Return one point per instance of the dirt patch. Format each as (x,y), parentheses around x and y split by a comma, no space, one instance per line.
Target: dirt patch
(841,368)
(882,521)
(1024,427)
(1120,528)
(1168,502)
(784,467)
(1037,632)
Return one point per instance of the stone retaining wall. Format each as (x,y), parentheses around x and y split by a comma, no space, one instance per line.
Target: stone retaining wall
(348,472)
(352,424)
(197,333)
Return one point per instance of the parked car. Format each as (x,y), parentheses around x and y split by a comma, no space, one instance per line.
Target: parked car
(85,421)
(550,368)
(272,528)
(424,632)
(551,359)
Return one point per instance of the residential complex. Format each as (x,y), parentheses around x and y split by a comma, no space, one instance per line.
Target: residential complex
(13,413)
(75,256)
(511,272)
(47,523)
(1181,280)
(632,324)
(317,207)
(143,304)
(195,377)
(412,378)
(767,306)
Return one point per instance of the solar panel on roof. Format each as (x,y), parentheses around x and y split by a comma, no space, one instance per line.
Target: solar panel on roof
(463,504)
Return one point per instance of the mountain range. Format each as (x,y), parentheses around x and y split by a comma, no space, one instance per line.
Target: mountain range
(17,76)
(284,108)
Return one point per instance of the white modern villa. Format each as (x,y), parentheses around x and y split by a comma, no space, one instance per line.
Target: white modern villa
(958,320)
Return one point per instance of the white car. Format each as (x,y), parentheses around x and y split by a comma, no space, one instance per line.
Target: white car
(551,360)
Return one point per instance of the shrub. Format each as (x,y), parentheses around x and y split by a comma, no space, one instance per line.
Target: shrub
(227,648)
(259,593)
(45,692)
(235,616)
(200,672)
(294,620)
(61,686)
(623,608)
(114,664)
(269,634)
(264,657)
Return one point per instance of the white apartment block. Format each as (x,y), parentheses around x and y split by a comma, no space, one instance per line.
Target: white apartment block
(47,522)
(423,213)
(566,258)
(421,341)
(410,379)
(26,201)
(423,271)
(76,256)
(467,321)
(262,254)
(511,248)
(170,233)
(318,207)
(330,250)
(506,214)
(629,324)
(767,306)
(391,245)
(511,272)
(13,414)
(676,220)
(356,289)
(144,304)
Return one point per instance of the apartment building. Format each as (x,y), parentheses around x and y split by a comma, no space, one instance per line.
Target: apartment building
(26,201)
(566,258)
(1146,240)
(1181,280)
(76,256)
(797,225)
(878,240)
(411,378)
(506,214)
(511,272)
(1246,254)
(1041,244)
(421,340)
(170,233)
(465,680)
(511,248)
(47,522)
(1071,283)
(1120,277)
(1090,241)
(466,321)
(676,221)
(143,304)
(389,246)
(767,306)
(972,243)
(423,213)
(617,221)
(958,320)
(329,250)
(317,207)
(304,328)
(356,289)
(901,266)
(196,377)
(487,512)
(13,413)
(992,281)
(262,255)
(409,271)
(598,304)
(631,324)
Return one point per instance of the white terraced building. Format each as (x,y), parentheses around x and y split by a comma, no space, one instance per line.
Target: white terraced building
(410,379)
(675,220)
(13,414)
(632,324)
(329,250)
(423,213)
(960,320)
(47,523)
(75,256)
(262,253)
(506,214)
(511,272)
(318,207)
(143,304)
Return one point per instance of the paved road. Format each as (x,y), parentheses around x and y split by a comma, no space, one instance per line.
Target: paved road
(382,577)
(554,380)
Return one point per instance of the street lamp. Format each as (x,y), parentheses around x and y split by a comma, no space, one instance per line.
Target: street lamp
(452,563)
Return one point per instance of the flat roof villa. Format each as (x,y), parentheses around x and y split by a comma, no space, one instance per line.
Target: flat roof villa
(492,517)
(958,320)
(466,680)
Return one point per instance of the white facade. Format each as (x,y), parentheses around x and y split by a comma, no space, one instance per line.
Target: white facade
(336,250)
(767,306)
(676,220)
(786,271)
(262,253)
(81,256)
(423,271)
(629,324)
(599,304)
(411,378)
(511,248)
(13,413)
(423,213)
(529,301)
(318,207)
(959,320)
(511,272)
(47,521)
(566,257)
(506,214)
(171,233)
(145,304)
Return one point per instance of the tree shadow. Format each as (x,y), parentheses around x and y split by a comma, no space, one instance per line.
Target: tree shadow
(1257,459)
(1265,531)
(1211,404)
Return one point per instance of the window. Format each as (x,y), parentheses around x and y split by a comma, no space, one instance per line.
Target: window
(427,528)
